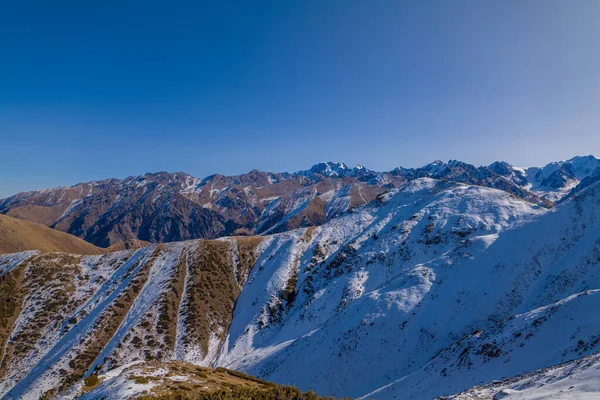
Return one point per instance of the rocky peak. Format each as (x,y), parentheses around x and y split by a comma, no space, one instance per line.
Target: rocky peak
(434,167)
(330,169)
(501,168)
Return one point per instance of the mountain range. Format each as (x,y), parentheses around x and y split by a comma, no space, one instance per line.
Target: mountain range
(167,207)
(447,280)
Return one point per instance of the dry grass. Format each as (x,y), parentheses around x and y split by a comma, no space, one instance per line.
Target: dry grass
(18,235)
(38,214)
(212,291)
(169,304)
(209,384)
(246,256)
(109,322)
(128,245)
(50,277)
(11,299)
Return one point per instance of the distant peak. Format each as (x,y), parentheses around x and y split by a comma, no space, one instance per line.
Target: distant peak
(456,163)
(334,165)
(583,158)
(435,166)
(502,168)
(500,164)
(329,168)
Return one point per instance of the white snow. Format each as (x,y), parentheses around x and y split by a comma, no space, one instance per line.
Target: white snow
(9,261)
(578,379)
(392,267)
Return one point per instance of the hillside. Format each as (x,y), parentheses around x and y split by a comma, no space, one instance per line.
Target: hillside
(175,379)
(67,316)
(432,288)
(17,235)
(167,207)
(577,379)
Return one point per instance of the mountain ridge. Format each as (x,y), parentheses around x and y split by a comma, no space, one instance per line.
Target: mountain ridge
(315,168)
(164,207)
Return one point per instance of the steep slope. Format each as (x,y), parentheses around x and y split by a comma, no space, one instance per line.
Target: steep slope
(362,290)
(523,343)
(585,182)
(17,235)
(65,316)
(546,280)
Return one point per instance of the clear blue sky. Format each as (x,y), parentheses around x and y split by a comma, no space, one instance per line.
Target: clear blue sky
(90,90)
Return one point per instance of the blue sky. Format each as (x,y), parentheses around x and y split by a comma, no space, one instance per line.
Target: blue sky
(91,90)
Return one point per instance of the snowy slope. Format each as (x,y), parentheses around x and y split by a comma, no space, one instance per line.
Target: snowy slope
(540,338)
(362,283)
(546,270)
(578,379)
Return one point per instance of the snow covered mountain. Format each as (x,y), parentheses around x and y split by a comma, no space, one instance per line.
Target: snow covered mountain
(549,183)
(555,180)
(167,207)
(430,289)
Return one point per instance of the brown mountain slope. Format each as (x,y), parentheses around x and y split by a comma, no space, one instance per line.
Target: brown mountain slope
(159,303)
(168,207)
(17,235)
